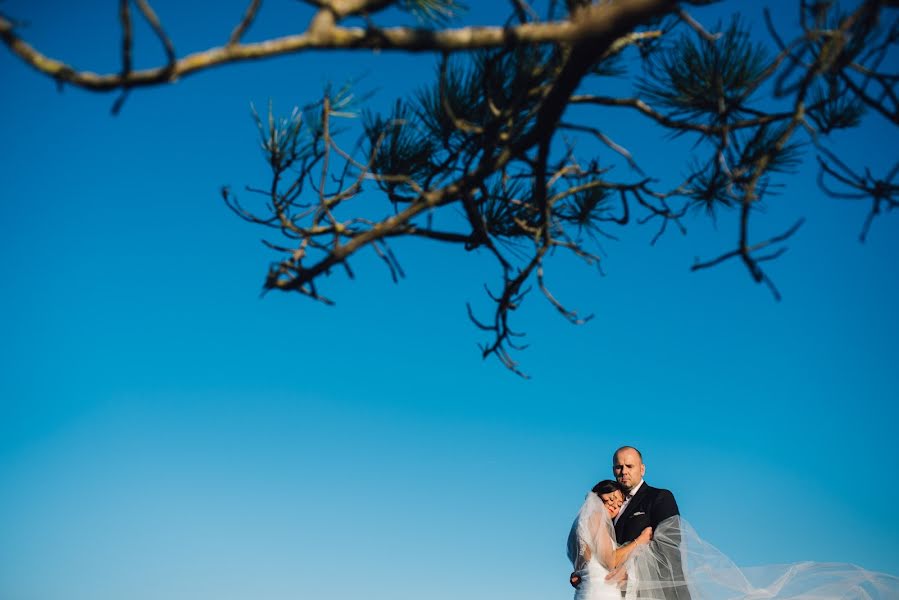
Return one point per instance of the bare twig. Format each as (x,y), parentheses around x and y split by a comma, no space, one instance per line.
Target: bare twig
(248,18)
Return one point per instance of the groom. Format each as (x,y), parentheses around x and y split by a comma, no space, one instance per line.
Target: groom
(644,506)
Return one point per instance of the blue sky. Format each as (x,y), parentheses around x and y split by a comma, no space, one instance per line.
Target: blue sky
(165,432)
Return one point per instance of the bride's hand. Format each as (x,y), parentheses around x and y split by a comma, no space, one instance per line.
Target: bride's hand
(645,536)
(617,577)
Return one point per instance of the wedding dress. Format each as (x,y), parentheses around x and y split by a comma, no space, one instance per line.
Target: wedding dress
(591,548)
(679,565)
(593,584)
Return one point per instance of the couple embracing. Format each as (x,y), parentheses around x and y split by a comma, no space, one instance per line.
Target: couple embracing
(626,540)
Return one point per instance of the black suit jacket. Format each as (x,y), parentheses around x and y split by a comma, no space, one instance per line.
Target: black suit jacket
(649,507)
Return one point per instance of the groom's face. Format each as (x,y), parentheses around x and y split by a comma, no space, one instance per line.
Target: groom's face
(628,468)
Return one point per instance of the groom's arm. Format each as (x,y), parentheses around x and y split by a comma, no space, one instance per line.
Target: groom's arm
(663,507)
(574,579)
(670,569)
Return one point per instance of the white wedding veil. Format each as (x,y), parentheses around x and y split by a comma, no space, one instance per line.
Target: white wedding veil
(679,565)
(592,534)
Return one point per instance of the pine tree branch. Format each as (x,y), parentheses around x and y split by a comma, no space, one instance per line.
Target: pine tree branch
(601,25)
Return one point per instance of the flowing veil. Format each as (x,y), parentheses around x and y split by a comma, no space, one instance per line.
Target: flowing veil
(592,531)
(679,565)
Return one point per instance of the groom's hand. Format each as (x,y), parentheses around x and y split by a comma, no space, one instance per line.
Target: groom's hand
(574,579)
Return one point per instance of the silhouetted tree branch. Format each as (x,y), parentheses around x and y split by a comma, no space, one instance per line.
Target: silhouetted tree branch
(474,159)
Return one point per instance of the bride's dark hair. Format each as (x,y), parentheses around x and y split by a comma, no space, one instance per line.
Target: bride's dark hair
(607,486)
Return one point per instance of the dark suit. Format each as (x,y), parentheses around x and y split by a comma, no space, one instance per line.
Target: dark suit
(649,507)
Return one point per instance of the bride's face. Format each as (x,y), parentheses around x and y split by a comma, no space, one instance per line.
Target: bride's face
(612,502)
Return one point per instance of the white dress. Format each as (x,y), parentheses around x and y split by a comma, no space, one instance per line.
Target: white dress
(593,584)
(591,545)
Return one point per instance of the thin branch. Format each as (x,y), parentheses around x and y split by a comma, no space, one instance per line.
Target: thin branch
(127,36)
(747,251)
(248,18)
(607,141)
(153,20)
(697,26)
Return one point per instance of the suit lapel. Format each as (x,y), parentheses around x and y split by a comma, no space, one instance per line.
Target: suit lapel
(629,510)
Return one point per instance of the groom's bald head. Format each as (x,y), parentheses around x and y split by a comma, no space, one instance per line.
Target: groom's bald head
(628,467)
(639,454)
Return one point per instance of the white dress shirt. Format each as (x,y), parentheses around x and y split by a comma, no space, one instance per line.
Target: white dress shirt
(627,501)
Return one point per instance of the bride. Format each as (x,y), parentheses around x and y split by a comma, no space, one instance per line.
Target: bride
(707,574)
(595,553)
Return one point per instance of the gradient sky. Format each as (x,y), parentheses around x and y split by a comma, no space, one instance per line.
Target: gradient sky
(165,432)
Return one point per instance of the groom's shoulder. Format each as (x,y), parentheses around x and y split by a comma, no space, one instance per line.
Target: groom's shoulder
(662,502)
(659,493)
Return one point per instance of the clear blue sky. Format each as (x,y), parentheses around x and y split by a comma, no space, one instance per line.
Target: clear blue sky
(167,433)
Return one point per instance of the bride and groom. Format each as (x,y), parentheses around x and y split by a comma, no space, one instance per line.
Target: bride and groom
(609,542)
(628,541)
